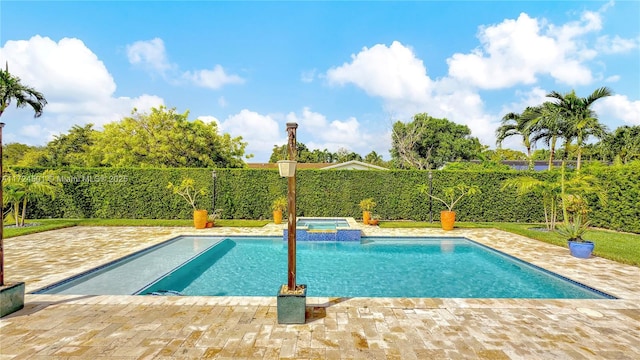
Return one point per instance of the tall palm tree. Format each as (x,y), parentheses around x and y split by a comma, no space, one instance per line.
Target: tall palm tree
(582,122)
(11,88)
(514,124)
(546,123)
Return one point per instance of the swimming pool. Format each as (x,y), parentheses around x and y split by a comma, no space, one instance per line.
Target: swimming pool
(374,267)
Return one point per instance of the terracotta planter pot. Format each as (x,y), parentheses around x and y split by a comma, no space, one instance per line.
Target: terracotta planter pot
(277,216)
(373,221)
(209,224)
(447,219)
(366,216)
(200,219)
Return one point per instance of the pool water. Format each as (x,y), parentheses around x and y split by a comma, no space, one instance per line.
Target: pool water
(375,267)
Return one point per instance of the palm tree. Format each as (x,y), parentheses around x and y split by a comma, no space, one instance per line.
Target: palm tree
(25,188)
(554,192)
(582,122)
(515,124)
(373,158)
(546,123)
(11,88)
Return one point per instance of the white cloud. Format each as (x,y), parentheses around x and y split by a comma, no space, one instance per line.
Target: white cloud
(619,107)
(213,79)
(222,102)
(517,51)
(330,135)
(150,54)
(615,45)
(612,78)
(260,131)
(392,72)
(77,85)
(396,75)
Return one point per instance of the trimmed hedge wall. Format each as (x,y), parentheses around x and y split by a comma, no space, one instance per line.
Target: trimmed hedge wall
(248,193)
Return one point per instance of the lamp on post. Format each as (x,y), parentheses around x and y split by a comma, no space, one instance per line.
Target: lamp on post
(292,299)
(290,172)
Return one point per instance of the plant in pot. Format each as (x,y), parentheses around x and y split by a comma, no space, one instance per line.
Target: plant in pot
(367,205)
(278,206)
(575,225)
(211,219)
(187,190)
(375,219)
(451,197)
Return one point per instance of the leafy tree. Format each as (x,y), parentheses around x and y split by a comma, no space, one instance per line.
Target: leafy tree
(505,154)
(14,153)
(12,89)
(303,154)
(427,143)
(73,148)
(622,146)
(344,155)
(164,138)
(581,121)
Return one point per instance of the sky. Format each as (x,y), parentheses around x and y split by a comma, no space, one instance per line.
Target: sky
(344,71)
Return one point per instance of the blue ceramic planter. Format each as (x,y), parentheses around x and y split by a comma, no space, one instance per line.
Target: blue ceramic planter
(581,250)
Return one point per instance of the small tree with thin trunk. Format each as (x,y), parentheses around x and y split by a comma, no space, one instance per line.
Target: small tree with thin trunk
(12,89)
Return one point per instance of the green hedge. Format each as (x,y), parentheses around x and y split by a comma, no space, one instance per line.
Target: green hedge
(247,194)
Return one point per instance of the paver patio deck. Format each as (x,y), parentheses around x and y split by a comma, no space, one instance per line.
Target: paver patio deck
(155,327)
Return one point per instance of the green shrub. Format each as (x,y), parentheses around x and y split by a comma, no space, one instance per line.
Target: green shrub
(248,194)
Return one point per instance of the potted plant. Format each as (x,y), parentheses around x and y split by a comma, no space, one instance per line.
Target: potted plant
(451,197)
(188,191)
(278,206)
(211,219)
(575,209)
(367,205)
(375,219)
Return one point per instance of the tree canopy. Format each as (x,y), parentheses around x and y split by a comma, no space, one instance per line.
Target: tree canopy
(429,143)
(164,138)
(160,138)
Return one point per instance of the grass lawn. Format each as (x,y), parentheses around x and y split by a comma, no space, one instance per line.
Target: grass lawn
(617,246)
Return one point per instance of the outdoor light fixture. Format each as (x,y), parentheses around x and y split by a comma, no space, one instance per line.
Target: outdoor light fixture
(287,168)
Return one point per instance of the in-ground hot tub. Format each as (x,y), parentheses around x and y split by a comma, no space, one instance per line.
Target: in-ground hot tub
(325,229)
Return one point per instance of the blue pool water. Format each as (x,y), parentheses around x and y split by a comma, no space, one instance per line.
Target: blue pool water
(375,267)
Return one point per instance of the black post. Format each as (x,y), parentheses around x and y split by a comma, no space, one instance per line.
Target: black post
(214,175)
(430,198)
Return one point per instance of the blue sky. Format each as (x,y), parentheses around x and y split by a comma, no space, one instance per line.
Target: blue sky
(345,71)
